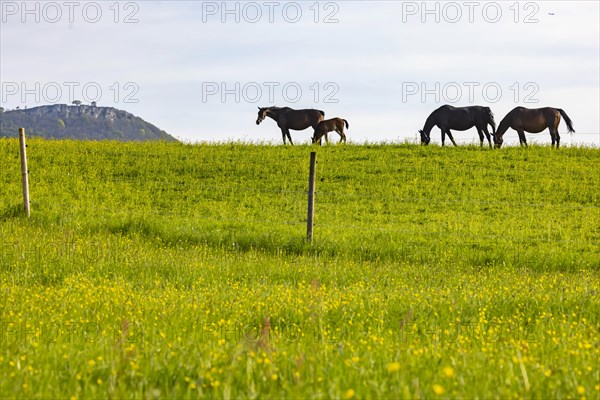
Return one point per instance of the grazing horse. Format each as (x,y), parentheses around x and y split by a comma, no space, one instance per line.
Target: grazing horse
(459,118)
(328,125)
(288,118)
(534,120)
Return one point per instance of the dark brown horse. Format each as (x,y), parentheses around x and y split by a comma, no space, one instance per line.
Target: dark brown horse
(459,118)
(532,120)
(328,125)
(288,118)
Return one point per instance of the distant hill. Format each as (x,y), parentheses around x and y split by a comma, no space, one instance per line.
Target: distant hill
(61,121)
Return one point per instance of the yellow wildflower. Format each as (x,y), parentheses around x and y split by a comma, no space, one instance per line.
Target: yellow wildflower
(448,372)
(393,367)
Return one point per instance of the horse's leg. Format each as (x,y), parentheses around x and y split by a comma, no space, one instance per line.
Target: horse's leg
(487,135)
(283,135)
(286,132)
(341,133)
(522,139)
(555,138)
(450,136)
(480,133)
(443,136)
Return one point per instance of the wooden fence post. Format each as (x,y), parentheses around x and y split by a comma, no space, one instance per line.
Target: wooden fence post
(24,172)
(311,196)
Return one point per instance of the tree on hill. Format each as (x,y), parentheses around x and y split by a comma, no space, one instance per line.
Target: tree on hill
(76,102)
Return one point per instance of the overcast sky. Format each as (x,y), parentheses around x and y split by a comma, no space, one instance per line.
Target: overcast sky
(199,70)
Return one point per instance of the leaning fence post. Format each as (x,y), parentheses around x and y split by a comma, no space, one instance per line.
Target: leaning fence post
(24,172)
(311,196)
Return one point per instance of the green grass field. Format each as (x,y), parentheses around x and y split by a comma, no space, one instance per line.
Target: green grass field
(156,270)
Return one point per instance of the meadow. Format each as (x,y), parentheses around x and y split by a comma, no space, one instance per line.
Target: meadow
(169,270)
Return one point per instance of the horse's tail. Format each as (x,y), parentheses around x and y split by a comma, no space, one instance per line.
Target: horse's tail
(347,125)
(567,120)
(491,121)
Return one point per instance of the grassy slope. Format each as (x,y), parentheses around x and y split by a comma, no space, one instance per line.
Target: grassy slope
(147,270)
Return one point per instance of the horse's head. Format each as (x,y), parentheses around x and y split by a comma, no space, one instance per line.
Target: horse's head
(314,139)
(425,138)
(262,114)
(498,141)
